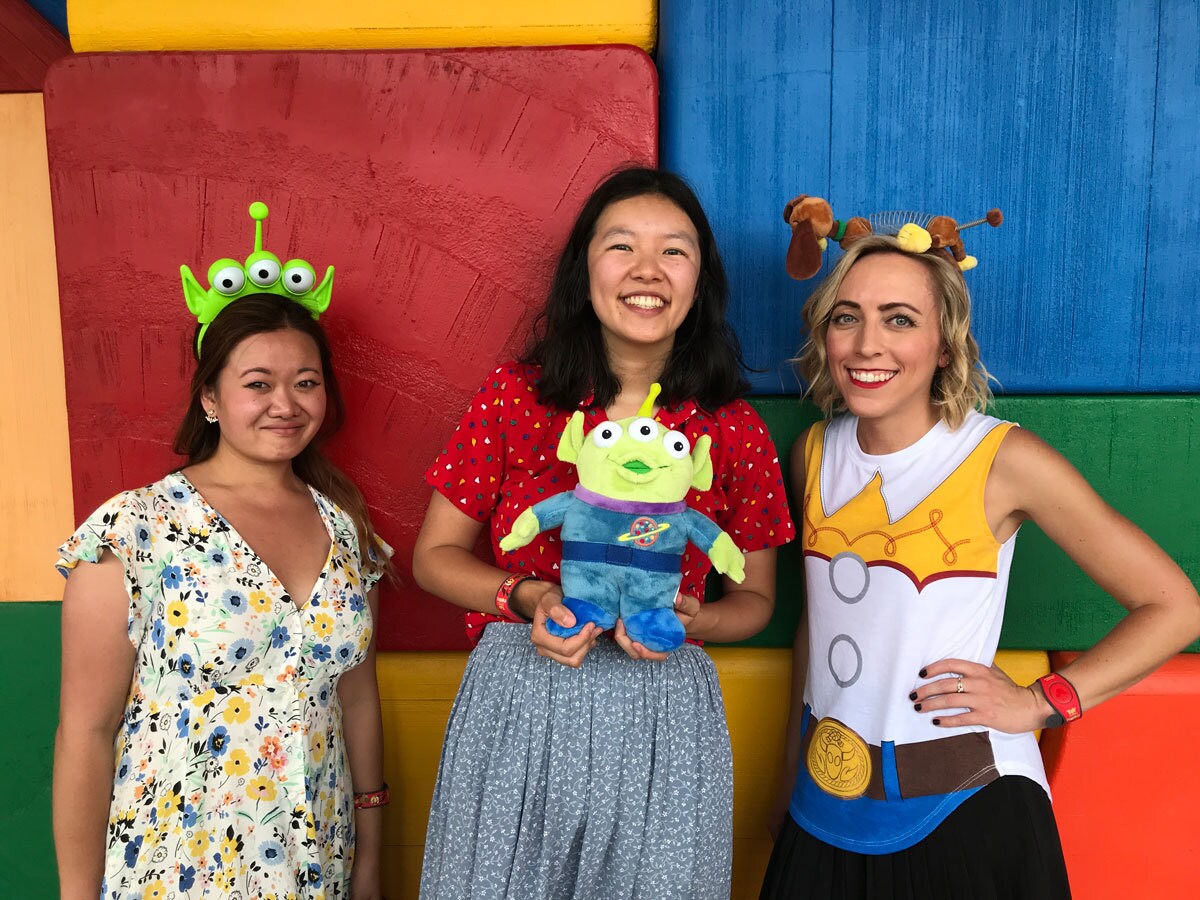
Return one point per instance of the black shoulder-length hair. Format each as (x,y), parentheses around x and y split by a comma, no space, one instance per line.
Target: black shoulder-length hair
(706,361)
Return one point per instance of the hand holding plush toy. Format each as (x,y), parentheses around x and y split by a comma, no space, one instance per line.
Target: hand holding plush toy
(625,527)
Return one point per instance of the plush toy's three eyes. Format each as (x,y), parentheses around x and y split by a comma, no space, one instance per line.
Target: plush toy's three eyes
(643,430)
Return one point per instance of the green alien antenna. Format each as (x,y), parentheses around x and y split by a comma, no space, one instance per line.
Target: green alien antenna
(262,274)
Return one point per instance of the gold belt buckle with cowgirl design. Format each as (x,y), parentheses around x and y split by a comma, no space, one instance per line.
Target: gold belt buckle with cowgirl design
(838,760)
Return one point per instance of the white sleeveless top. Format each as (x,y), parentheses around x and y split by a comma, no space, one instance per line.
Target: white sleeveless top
(902,570)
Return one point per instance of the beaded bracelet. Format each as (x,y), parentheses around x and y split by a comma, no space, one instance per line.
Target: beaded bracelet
(1063,697)
(371,799)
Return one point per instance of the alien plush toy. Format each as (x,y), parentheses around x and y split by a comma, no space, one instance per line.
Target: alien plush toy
(626,525)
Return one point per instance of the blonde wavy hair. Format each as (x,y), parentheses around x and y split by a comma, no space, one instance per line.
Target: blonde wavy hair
(959,386)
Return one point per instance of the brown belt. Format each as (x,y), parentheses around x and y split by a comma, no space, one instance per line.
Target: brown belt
(923,768)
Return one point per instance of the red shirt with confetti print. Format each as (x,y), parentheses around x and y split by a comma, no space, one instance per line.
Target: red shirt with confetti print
(502,460)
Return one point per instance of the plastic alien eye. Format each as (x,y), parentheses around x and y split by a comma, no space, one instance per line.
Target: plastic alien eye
(643,429)
(264,273)
(677,445)
(298,277)
(606,435)
(229,280)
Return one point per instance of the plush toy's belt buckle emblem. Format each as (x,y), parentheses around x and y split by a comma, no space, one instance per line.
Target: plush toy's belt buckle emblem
(838,760)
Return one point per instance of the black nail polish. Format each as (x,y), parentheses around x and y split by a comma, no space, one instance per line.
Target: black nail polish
(922,673)
(917,707)
(937,721)
(912,696)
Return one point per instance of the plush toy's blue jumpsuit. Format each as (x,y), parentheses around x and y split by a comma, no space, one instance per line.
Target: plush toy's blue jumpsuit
(621,558)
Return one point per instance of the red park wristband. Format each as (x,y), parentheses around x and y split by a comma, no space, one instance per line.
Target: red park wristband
(504,595)
(1063,697)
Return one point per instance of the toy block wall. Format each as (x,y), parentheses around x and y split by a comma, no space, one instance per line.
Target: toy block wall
(356,24)
(1076,119)
(439,184)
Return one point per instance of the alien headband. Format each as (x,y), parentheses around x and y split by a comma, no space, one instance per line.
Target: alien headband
(262,274)
(813,224)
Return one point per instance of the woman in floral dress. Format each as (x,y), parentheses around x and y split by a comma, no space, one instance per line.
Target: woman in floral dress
(219,703)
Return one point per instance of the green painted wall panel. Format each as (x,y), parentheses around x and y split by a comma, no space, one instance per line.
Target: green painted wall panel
(29,710)
(1141,453)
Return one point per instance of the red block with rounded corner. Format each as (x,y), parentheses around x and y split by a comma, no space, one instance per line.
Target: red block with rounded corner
(1126,788)
(440,185)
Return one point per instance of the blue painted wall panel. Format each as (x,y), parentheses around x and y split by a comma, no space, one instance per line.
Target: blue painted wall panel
(1077,119)
(1170,336)
(745,99)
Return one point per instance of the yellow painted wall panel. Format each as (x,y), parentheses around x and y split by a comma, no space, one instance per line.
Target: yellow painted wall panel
(36,512)
(417,690)
(356,24)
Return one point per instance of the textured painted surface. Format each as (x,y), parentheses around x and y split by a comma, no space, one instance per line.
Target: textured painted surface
(53,11)
(1126,788)
(28,45)
(1142,454)
(439,184)
(35,491)
(1077,120)
(356,24)
(29,670)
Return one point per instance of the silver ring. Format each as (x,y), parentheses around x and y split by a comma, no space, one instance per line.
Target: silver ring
(959,688)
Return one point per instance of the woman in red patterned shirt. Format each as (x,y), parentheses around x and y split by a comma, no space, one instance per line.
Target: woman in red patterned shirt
(589,766)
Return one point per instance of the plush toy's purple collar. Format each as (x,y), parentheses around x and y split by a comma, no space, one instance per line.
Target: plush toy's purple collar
(627,506)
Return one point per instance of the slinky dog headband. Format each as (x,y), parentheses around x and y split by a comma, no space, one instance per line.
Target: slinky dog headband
(813,225)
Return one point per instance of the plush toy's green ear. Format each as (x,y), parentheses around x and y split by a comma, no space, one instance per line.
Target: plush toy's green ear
(702,476)
(572,439)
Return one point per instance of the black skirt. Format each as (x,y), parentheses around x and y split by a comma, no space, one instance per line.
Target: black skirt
(1001,844)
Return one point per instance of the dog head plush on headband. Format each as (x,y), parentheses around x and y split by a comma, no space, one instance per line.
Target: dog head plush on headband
(813,225)
(261,274)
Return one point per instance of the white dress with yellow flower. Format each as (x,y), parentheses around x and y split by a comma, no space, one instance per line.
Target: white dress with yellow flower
(231,774)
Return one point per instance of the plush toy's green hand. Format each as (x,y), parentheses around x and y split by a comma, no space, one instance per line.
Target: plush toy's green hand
(525,529)
(727,558)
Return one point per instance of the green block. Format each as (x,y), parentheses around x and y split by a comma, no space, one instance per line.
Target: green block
(1141,453)
(29,671)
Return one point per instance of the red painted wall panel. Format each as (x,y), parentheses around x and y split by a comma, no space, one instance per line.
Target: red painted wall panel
(439,184)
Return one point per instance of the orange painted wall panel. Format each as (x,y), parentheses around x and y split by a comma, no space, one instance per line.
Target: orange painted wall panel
(1126,784)
(35,487)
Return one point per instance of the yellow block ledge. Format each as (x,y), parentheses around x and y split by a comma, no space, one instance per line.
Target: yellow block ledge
(97,25)
(417,689)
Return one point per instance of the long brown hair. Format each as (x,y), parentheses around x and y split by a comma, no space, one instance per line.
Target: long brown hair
(197,440)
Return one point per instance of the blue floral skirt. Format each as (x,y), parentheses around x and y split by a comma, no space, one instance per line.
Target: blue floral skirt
(611,781)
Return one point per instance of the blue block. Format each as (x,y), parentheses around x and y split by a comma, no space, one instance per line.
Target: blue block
(1076,120)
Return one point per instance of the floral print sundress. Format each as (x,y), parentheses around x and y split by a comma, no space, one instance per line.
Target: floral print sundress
(231,775)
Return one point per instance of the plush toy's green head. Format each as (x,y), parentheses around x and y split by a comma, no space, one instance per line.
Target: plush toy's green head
(636,458)
(262,274)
